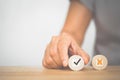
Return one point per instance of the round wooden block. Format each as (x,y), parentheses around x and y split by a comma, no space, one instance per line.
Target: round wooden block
(99,62)
(76,63)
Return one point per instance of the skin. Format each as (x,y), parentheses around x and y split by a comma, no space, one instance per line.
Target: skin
(69,41)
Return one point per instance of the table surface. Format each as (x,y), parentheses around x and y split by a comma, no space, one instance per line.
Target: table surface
(35,73)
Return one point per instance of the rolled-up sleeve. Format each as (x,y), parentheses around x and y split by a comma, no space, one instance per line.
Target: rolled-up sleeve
(88,3)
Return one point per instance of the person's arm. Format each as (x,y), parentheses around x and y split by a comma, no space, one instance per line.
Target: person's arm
(77,21)
(71,37)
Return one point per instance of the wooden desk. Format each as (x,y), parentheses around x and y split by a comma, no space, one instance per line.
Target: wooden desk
(30,73)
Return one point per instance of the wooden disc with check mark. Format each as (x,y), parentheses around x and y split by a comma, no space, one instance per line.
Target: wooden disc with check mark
(76,63)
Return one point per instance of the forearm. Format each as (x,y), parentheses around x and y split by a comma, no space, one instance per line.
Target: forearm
(77,21)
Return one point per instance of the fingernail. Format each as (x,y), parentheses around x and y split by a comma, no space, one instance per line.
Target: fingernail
(64,63)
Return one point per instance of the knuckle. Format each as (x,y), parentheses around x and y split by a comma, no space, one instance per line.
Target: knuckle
(49,61)
(52,52)
(47,48)
(60,46)
(53,38)
(53,55)
(44,64)
(64,34)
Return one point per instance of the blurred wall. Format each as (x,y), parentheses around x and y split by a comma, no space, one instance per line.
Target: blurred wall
(26,27)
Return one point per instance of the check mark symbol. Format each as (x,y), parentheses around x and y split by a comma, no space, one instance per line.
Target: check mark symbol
(77,62)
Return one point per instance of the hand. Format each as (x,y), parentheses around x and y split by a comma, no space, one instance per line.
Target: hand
(58,51)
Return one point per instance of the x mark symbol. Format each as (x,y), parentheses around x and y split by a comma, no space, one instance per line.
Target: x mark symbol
(99,61)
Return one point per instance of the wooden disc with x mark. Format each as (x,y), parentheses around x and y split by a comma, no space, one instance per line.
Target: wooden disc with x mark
(99,62)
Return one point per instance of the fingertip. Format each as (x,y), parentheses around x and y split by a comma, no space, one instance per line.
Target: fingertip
(86,60)
(44,64)
(65,63)
(84,55)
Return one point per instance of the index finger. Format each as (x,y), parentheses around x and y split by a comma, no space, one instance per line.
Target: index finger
(63,46)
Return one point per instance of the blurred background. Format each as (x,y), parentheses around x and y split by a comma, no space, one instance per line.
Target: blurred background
(26,27)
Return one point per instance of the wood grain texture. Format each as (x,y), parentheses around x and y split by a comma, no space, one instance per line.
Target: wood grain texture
(34,73)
